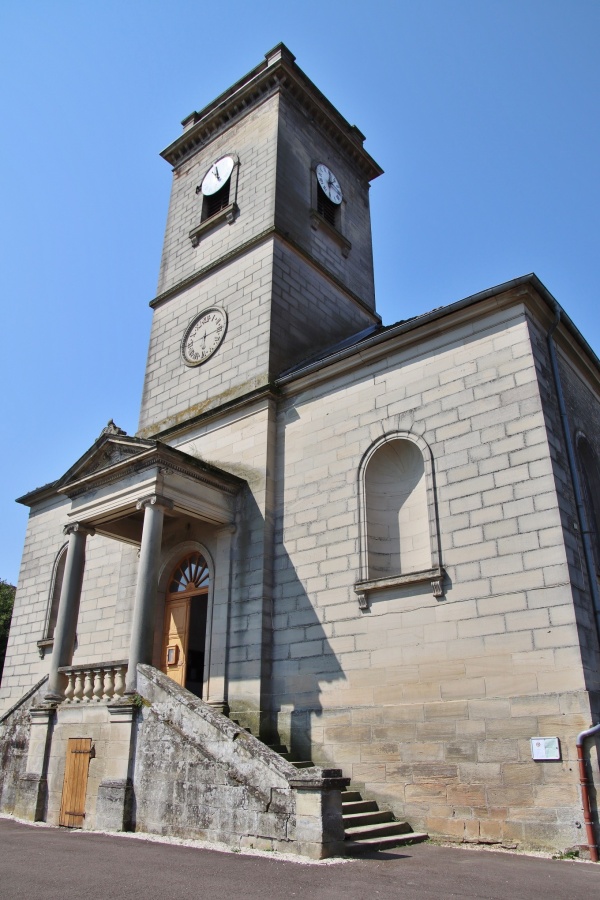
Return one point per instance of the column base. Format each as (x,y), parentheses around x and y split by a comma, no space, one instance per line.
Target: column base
(220,706)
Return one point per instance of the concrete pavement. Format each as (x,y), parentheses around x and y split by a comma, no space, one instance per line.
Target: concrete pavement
(40,863)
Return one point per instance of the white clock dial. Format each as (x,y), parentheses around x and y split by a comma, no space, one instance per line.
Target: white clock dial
(203,336)
(217,175)
(329,184)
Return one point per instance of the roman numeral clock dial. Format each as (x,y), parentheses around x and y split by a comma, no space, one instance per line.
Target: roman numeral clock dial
(217,176)
(329,184)
(203,336)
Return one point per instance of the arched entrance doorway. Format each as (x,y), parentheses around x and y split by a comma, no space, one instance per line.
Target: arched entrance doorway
(184,633)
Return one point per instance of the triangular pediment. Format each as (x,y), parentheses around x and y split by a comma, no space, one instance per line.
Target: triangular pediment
(113,448)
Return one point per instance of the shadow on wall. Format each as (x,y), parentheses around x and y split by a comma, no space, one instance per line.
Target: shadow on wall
(301,657)
(257,618)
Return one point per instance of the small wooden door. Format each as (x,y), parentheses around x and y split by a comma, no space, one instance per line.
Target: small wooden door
(72,805)
(182,651)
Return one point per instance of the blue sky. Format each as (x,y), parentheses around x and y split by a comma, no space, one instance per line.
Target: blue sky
(483,113)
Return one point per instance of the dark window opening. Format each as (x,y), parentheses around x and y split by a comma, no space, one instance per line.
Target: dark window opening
(591,491)
(195,650)
(214,203)
(52,614)
(326,207)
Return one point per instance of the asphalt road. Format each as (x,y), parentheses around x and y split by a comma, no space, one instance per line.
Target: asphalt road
(57,864)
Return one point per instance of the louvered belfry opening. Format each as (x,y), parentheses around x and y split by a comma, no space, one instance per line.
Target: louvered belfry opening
(214,203)
(326,207)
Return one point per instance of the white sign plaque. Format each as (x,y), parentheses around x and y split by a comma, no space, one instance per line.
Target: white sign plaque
(545,748)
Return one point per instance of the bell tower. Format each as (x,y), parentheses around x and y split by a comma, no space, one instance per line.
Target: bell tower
(267,256)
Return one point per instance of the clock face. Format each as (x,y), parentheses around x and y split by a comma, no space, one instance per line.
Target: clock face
(329,184)
(217,175)
(203,336)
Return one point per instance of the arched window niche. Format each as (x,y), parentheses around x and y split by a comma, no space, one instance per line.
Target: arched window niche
(399,537)
(58,572)
(590,477)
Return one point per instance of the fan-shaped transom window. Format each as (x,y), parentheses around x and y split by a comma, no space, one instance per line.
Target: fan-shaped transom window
(191,575)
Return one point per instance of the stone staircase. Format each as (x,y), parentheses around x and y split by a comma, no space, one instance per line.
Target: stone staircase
(366,827)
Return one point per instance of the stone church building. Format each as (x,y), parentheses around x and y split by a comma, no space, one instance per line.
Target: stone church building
(343,573)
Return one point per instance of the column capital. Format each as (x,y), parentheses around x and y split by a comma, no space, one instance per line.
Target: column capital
(79,527)
(154,500)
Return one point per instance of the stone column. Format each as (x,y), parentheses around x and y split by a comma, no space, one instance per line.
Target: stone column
(215,692)
(144,610)
(68,609)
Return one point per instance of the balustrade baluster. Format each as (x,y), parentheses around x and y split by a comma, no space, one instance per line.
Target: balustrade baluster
(98,686)
(88,686)
(78,692)
(119,681)
(108,683)
(70,688)
(95,684)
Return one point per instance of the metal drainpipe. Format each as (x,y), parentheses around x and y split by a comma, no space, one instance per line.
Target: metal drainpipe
(591,574)
(585,795)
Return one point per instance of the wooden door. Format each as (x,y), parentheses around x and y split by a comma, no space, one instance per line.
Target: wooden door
(188,584)
(72,805)
(175,638)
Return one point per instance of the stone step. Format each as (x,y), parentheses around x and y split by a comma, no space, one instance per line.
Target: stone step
(366,818)
(368,845)
(366,827)
(358,806)
(376,830)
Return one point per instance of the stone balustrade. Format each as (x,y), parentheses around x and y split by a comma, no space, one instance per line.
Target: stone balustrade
(95,683)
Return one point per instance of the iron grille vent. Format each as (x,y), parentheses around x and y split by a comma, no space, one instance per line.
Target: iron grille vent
(326,208)
(214,203)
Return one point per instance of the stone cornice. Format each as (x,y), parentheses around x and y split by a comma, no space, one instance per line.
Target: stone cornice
(45,492)
(159,456)
(271,232)
(527,290)
(278,72)
(216,412)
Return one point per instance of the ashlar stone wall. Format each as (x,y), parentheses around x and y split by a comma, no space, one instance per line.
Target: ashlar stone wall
(241,442)
(253,141)
(301,146)
(103,625)
(429,703)
(174,392)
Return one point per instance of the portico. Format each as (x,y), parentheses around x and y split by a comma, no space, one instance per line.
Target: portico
(124,488)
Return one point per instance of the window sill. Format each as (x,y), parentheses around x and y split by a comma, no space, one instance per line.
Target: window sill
(364,588)
(227,214)
(317,221)
(43,645)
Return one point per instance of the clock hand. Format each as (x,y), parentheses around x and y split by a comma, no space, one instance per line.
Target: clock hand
(217,176)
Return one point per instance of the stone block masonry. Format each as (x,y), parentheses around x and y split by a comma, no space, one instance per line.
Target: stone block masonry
(439,696)
(198,774)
